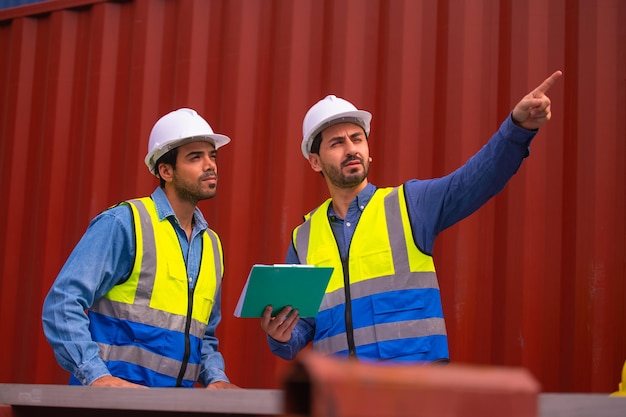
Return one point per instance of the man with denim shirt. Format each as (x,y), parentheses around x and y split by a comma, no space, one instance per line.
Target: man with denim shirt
(148,273)
(383,300)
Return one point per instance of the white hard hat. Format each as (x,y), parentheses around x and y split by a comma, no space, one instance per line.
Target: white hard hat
(329,111)
(178,128)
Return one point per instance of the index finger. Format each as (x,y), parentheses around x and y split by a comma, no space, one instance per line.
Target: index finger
(548,82)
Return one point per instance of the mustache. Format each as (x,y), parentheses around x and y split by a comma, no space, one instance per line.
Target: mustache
(208,174)
(350,159)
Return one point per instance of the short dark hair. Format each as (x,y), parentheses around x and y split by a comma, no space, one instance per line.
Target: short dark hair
(317,142)
(167,158)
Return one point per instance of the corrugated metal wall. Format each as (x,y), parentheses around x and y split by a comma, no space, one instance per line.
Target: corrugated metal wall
(536,278)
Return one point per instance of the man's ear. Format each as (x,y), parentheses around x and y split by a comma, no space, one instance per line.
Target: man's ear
(314,160)
(165,171)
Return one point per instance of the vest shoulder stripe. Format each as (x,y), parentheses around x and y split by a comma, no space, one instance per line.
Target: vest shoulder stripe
(217,255)
(396,232)
(147,250)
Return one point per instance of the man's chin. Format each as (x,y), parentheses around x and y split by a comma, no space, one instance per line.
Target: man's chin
(349,182)
(209,194)
(356,176)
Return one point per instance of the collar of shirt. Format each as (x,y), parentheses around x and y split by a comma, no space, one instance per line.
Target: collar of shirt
(165,210)
(356,206)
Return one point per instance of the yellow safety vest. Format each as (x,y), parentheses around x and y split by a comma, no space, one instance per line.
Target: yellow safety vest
(157,296)
(394,305)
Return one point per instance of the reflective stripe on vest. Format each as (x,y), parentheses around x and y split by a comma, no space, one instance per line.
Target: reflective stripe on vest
(156,296)
(393,285)
(149,360)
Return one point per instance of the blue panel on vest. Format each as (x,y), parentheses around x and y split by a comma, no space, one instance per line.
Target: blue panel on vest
(138,375)
(395,301)
(414,350)
(394,306)
(330,322)
(164,342)
(143,376)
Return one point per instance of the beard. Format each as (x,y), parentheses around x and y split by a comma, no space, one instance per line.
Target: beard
(350,179)
(195,191)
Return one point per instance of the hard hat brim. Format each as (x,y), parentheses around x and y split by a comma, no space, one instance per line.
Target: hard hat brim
(152,157)
(358,117)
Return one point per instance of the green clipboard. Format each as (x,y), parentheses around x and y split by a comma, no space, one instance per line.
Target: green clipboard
(299,286)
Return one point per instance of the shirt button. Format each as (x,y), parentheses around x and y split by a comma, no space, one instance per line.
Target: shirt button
(348,224)
(362,208)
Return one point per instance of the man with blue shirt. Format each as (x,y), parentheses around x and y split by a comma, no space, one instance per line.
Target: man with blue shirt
(383,300)
(138,300)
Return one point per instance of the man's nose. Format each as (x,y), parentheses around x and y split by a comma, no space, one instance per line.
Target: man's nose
(210,164)
(351,148)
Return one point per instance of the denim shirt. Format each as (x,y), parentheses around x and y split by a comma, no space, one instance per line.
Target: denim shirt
(104,257)
(433,206)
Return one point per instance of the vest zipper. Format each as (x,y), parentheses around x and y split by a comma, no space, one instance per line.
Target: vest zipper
(185,360)
(348,311)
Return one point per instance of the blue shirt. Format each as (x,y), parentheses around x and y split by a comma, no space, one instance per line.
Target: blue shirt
(433,206)
(103,257)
